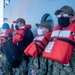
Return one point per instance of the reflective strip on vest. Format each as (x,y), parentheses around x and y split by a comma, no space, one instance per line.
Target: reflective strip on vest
(55,33)
(49,47)
(40,38)
(62,33)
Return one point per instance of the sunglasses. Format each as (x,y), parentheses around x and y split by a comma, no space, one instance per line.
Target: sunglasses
(63,15)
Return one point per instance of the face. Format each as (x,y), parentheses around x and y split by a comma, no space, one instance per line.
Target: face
(42,30)
(18,25)
(4,30)
(64,19)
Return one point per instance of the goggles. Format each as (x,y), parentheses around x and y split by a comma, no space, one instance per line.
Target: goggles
(63,15)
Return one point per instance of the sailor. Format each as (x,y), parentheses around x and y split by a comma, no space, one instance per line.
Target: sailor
(37,64)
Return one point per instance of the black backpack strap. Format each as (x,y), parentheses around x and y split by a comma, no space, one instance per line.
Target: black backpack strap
(47,66)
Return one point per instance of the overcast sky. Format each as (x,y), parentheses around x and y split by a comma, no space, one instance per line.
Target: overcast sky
(1,12)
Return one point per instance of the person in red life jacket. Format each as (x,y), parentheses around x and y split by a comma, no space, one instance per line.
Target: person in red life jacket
(40,41)
(62,42)
(6,31)
(36,48)
(22,38)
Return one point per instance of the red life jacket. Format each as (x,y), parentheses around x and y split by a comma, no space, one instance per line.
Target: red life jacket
(61,44)
(4,36)
(9,31)
(20,33)
(38,45)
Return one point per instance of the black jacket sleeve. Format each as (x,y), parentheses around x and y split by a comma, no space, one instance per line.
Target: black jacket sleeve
(28,38)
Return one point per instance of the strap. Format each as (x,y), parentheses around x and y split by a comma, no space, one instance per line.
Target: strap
(40,42)
(67,40)
(51,39)
(38,45)
(64,39)
(46,39)
(72,33)
(47,66)
(38,55)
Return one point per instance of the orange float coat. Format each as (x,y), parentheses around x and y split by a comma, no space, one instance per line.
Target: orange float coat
(20,33)
(4,36)
(61,44)
(38,45)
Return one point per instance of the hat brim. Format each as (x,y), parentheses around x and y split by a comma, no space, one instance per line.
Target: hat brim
(39,25)
(14,21)
(60,10)
(46,25)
